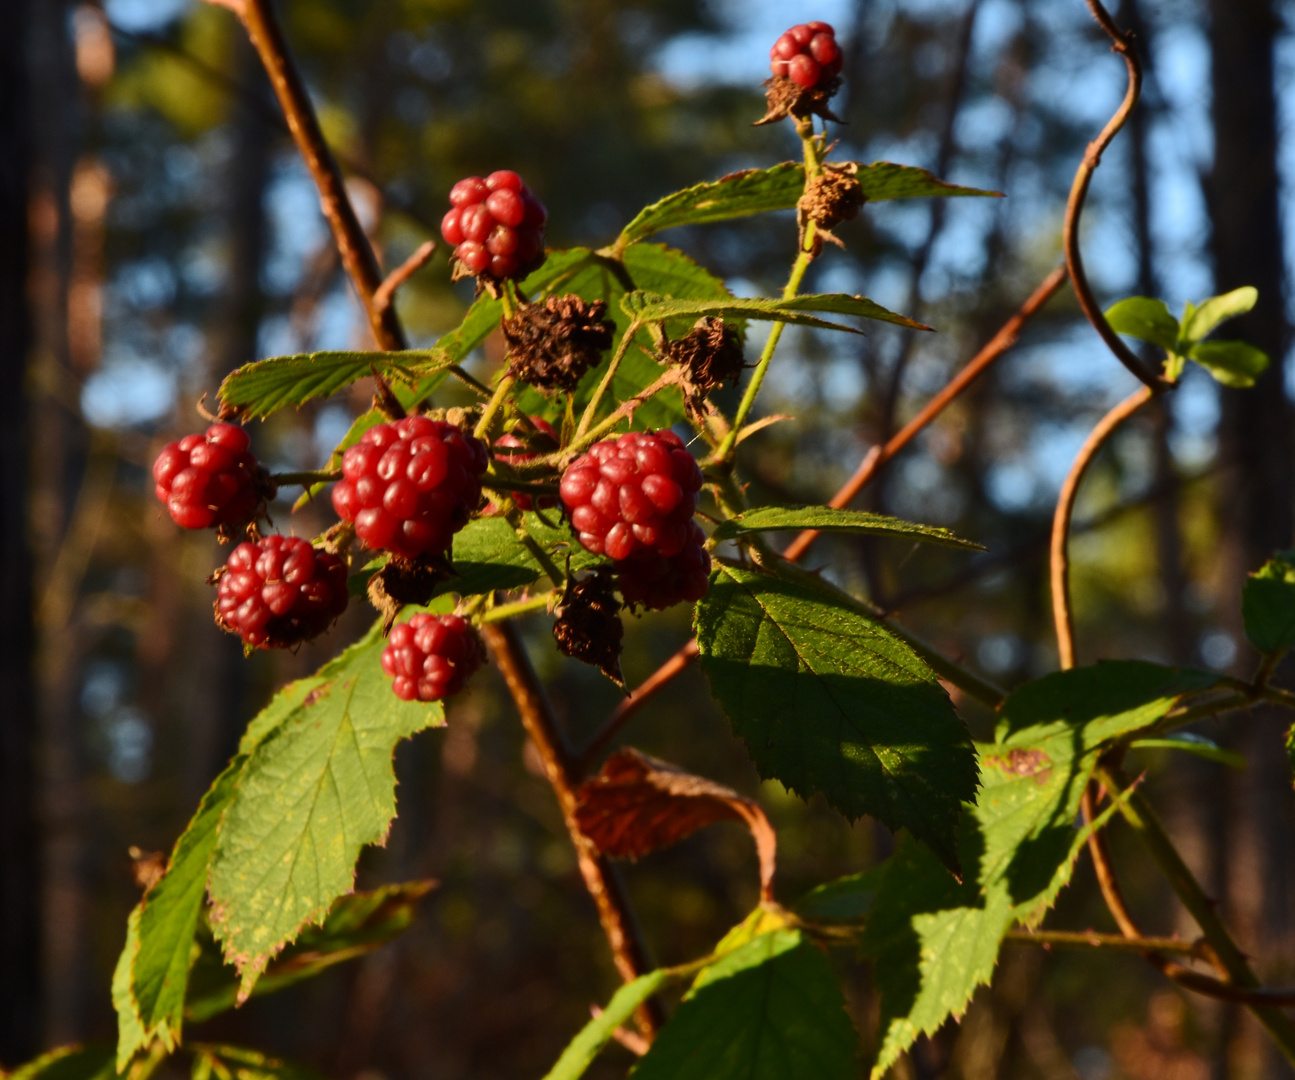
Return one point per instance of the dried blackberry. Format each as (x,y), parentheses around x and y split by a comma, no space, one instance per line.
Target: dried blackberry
(787,98)
(551,345)
(709,354)
(588,627)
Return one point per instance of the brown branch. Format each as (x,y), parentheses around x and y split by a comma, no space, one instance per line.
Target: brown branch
(1120,43)
(386,292)
(1091,939)
(1060,575)
(362,266)
(603,885)
(352,244)
(880,455)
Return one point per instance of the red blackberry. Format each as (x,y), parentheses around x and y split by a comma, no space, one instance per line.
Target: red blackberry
(496,225)
(807,54)
(510,442)
(279,591)
(431,656)
(659,582)
(409,486)
(210,479)
(635,493)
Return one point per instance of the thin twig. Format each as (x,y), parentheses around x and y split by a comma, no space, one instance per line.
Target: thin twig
(386,292)
(880,455)
(1121,44)
(361,264)
(1090,939)
(1060,575)
(603,884)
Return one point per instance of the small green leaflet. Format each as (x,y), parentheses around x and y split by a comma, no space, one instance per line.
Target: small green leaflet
(153,972)
(936,940)
(829,519)
(652,267)
(356,924)
(317,789)
(1193,744)
(582,1050)
(1201,319)
(830,701)
(1268,604)
(266,386)
(796,310)
(92,1062)
(755,191)
(1233,363)
(769,1010)
(1145,319)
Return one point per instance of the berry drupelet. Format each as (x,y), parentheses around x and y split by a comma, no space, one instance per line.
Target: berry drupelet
(496,225)
(431,657)
(279,591)
(634,493)
(807,54)
(410,485)
(210,479)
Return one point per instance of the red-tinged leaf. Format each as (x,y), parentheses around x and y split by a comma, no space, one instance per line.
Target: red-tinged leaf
(638,804)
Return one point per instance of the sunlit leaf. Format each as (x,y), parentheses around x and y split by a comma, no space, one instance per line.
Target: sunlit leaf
(829,519)
(1233,363)
(1145,319)
(1200,319)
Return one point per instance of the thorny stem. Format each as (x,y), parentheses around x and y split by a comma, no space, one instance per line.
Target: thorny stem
(517,607)
(306,479)
(358,258)
(879,456)
(591,410)
(498,483)
(1060,563)
(625,409)
(603,884)
(1090,939)
(1121,44)
(493,407)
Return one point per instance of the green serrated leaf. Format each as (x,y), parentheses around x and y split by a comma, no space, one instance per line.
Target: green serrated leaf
(1197,745)
(830,701)
(1110,699)
(266,386)
(935,940)
(756,191)
(312,794)
(795,309)
(92,1062)
(1233,363)
(582,1050)
(153,972)
(651,267)
(356,925)
(770,1010)
(1145,319)
(1268,604)
(847,899)
(1199,320)
(829,519)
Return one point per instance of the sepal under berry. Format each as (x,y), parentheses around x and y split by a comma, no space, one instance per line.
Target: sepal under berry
(588,626)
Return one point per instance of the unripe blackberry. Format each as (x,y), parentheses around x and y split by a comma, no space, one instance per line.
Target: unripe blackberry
(807,54)
(211,479)
(431,656)
(279,591)
(658,582)
(634,493)
(496,225)
(506,449)
(410,485)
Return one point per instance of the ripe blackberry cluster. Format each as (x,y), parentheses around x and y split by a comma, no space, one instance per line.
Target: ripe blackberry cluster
(506,449)
(431,657)
(807,54)
(496,225)
(279,591)
(633,499)
(210,479)
(658,582)
(410,485)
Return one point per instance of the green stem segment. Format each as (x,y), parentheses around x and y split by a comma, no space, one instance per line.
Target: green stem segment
(591,410)
(1138,813)
(519,607)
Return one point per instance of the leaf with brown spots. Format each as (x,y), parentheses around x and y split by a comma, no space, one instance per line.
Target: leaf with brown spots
(638,804)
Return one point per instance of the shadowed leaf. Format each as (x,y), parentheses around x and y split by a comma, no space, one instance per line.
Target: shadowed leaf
(829,519)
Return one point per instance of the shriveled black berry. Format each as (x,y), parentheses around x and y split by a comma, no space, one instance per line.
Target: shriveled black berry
(588,626)
(709,354)
(832,197)
(551,345)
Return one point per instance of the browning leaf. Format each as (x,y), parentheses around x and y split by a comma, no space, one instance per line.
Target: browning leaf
(638,804)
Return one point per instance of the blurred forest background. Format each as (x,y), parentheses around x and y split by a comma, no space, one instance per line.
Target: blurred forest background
(158,230)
